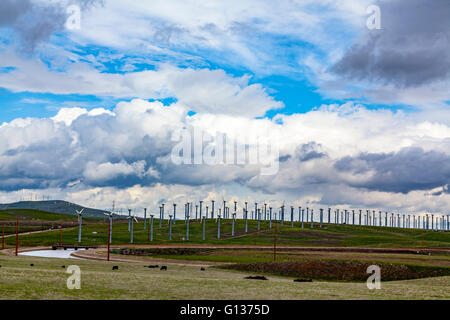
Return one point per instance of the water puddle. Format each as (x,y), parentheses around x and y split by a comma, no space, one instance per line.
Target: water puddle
(62,254)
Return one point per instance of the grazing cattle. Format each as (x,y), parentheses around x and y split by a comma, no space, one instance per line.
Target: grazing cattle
(303,280)
(31,265)
(202,269)
(63,267)
(164,268)
(256,278)
(153,266)
(115,267)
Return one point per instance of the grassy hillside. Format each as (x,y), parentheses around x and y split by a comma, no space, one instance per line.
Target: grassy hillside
(30,214)
(47,280)
(55,206)
(333,235)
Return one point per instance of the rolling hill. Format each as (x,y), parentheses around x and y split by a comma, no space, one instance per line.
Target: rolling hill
(55,206)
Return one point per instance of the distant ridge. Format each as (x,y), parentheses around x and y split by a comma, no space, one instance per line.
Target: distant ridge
(55,206)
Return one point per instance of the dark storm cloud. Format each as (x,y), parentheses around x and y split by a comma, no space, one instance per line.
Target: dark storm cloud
(12,10)
(403,171)
(34,23)
(305,152)
(309,151)
(411,49)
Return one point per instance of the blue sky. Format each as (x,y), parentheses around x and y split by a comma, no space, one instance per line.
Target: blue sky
(274,58)
(273,63)
(344,103)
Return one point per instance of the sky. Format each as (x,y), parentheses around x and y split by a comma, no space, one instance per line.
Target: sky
(353,105)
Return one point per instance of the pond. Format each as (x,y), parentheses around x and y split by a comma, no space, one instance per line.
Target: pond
(63,254)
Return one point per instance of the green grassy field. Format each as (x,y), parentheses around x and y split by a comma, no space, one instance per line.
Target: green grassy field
(332,235)
(47,280)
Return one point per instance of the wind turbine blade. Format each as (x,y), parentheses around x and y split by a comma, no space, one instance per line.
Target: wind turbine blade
(135,219)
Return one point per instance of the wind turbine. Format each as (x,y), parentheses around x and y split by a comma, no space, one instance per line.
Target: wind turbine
(224,207)
(80,221)
(129,220)
(132,219)
(110,215)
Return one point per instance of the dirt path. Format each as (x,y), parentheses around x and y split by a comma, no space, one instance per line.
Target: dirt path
(38,231)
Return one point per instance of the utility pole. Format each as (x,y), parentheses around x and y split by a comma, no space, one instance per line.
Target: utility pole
(3,234)
(17,236)
(109,237)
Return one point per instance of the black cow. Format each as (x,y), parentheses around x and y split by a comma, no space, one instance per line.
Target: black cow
(256,278)
(164,268)
(115,267)
(303,280)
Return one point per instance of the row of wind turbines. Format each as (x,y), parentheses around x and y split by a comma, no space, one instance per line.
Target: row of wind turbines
(109,214)
(265,213)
